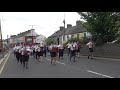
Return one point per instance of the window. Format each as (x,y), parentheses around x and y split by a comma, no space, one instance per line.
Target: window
(84,34)
(72,36)
(67,37)
(63,38)
(77,35)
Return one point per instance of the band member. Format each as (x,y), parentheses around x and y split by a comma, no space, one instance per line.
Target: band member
(54,52)
(78,49)
(33,48)
(68,47)
(17,54)
(25,54)
(72,51)
(40,53)
(61,50)
(45,50)
(14,51)
(20,55)
(90,45)
(36,51)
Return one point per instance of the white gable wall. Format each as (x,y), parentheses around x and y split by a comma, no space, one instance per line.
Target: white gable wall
(32,33)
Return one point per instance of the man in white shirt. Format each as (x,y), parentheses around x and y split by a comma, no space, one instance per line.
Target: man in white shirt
(36,51)
(90,46)
(68,46)
(72,51)
(61,50)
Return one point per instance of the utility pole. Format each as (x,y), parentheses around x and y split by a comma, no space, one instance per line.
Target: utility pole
(7,42)
(32,28)
(1,40)
(32,33)
(64,28)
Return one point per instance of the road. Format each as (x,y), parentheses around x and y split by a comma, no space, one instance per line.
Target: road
(82,68)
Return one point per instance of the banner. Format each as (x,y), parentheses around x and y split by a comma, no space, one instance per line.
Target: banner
(29,40)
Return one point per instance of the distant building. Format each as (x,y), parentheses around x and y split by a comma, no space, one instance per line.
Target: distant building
(27,37)
(40,39)
(77,31)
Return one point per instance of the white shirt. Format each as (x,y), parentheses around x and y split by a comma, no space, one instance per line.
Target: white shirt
(68,45)
(50,47)
(72,47)
(60,46)
(90,45)
(36,48)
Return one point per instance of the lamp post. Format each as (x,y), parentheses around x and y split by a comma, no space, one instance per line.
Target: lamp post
(1,40)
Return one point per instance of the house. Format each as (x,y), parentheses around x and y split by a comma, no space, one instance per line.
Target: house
(40,39)
(77,31)
(26,37)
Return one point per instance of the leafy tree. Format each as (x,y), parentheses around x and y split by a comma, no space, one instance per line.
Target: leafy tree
(49,41)
(103,26)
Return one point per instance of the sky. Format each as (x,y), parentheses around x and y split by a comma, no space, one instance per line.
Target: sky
(46,23)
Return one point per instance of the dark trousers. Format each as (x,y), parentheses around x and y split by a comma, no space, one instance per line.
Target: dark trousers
(72,54)
(36,54)
(21,59)
(45,53)
(17,56)
(68,51)
(61,53)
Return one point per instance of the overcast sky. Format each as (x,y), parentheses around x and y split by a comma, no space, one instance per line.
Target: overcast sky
(46,23)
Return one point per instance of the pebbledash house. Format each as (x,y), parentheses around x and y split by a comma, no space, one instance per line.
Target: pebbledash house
(28,38)
(77,31)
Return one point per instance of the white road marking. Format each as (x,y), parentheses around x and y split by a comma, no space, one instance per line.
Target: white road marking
(4,63)
(60,63)
(99,74)
(3,59)
(57,62)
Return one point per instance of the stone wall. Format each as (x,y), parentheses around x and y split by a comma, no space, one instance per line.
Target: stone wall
(107,51)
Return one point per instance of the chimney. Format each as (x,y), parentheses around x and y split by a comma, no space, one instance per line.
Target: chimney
(61,27)
(78,23)
(69,25)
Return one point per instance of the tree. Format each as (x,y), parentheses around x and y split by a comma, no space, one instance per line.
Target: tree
(103,26)
(49,41)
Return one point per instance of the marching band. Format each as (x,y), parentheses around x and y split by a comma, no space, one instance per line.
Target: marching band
(38,51)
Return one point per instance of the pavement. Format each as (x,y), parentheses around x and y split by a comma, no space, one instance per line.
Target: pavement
(82,68)
(2,58)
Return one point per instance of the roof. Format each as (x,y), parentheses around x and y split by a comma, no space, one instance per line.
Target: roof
(13,36)
(75,29)
(24,33)
(72,30)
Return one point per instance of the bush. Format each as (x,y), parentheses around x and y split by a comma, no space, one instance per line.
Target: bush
(99,42)
(85,40)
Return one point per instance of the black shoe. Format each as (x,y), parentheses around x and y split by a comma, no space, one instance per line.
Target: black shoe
(26,67)
(91,58)
(88,57)
(51,61)
(74,60)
